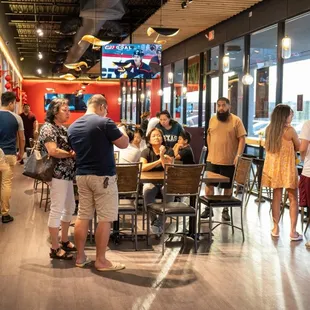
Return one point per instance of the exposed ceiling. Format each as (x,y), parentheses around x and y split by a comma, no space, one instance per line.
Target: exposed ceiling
(64,22)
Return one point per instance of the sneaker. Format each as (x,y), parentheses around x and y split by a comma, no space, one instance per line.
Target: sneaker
(206,213)
(7,218)
(225,215)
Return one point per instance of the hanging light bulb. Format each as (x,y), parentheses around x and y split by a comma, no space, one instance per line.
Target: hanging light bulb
(142,96)
(128,99)
(286,47)
(247,79)
(124,89)
(226,62)
(133,89)
(170,77)
(149,93)
(160,92)
(184,90)
(119,100)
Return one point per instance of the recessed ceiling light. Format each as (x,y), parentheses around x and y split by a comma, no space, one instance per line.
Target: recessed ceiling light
(39,71)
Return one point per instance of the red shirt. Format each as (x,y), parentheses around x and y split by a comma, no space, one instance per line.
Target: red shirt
(28,121)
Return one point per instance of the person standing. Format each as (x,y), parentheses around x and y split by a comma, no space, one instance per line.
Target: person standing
(226,141)
(304,181)
(53,140)
(31,126)
(92,137)
(170,128)
(11,126)
(280,166)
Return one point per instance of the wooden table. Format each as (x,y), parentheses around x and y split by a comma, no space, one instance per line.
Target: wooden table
(157,177)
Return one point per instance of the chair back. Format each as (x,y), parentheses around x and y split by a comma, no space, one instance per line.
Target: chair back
(202,158)
(183,180)
(242,173)
(128,177)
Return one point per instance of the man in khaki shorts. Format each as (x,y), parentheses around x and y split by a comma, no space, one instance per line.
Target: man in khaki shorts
(92,137)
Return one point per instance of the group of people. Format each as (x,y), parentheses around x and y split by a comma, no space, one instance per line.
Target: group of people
(85,152)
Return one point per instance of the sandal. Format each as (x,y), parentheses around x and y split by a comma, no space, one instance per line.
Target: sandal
(68,246)
(56,254)
(297,237)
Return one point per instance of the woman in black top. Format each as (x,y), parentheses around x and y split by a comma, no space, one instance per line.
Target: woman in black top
(53,140)
(153,158)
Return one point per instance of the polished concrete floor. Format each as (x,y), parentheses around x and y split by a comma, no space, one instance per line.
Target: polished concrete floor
(261,273)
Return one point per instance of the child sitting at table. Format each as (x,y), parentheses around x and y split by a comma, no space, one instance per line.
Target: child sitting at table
(182,150)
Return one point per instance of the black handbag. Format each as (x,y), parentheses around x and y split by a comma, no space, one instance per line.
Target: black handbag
(38,166)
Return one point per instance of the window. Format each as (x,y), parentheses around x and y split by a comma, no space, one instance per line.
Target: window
(192,94)
(232,79)
(215,52)
(167,89)
(178,91)
(296,70)
(263,68)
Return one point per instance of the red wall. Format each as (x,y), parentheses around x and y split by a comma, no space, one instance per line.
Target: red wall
(155,98)
(35,90)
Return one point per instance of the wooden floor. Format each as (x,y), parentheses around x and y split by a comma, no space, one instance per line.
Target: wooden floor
(260,273)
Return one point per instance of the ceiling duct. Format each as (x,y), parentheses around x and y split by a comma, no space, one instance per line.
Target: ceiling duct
(63,45)
(94,13)
(70,27)
(59,58)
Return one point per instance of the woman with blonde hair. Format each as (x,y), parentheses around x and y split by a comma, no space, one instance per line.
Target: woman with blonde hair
(280,165)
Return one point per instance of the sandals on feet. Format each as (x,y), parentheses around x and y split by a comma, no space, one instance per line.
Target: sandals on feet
(68,246)
(57,254)
(298,237)
(87,261)
(114,267)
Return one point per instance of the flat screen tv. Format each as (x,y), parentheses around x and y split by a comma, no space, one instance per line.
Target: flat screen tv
(76,103)
(131,61)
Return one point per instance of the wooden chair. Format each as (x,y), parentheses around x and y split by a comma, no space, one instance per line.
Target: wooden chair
(179,181)
(240,179)
(128,180)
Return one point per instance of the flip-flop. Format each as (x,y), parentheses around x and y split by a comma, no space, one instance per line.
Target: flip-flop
(114,267)
(87,261)
(275,235)
(298,238)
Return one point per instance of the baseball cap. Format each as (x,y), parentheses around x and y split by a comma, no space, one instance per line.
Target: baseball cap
(138,52)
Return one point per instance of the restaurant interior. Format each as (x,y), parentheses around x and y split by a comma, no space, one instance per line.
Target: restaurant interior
(253,52)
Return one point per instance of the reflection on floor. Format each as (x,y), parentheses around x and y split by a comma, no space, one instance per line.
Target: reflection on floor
(260,273)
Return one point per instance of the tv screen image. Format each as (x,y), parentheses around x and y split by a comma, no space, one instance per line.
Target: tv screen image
(131,61)
(76,103)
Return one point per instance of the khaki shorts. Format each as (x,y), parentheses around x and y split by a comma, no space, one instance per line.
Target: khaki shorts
(93,195)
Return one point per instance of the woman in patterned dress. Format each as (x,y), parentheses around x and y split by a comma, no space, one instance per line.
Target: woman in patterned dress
(280,165)
(54,141)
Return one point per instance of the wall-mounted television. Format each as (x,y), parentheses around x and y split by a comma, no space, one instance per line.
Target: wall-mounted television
(131,61)
(76,103)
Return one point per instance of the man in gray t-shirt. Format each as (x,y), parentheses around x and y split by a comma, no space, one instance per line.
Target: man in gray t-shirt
(11,126)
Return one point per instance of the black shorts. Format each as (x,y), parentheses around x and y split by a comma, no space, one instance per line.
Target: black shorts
(227,171)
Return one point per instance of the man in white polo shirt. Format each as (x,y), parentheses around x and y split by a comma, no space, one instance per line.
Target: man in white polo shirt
(304,182)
